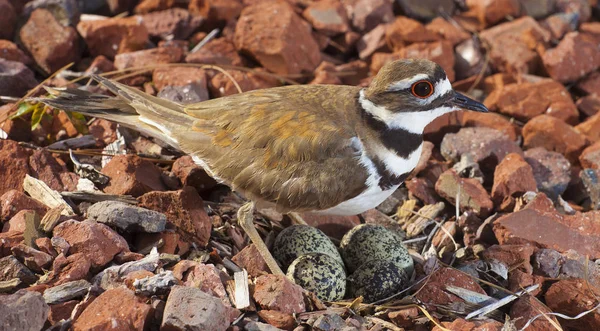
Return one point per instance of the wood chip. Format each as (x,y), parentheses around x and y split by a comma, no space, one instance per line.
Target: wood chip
(44,194)
(51,219)
(8,286)
(242,294)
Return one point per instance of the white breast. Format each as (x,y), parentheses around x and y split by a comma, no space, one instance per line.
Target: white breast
(373,196)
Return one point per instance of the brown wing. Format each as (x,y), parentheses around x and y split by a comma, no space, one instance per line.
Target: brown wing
(270,146)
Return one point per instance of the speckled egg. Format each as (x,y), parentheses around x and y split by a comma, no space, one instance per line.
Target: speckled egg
(370,242)
(377,279)
(298,240)
(320,274)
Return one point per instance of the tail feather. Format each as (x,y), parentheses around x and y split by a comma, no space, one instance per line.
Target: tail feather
(150,115)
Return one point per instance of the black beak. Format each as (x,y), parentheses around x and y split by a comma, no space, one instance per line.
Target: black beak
(464,102)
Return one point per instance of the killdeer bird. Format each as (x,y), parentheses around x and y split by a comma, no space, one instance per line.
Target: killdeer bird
(304,148)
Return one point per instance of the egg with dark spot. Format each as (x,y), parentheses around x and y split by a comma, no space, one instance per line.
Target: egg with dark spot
(377,279)
(298,240)
(321,274)
(370,242)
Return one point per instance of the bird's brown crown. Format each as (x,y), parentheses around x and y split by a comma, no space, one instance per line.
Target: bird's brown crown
(409,85)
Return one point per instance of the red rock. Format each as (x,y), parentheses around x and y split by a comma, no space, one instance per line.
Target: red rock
(332,225)
(572,297)
(404,31)
(23,310)
(278,293)
(492,12)
(14,165)
(11,52)
(404,318)
(101,64)
(528,307)
(439,51)
(113,36)
(14,201)
(133,176)
(203,276)
(371,42)
(15,78)
(96,241)
(8,240)
(149,57)
(31,257)
(447,31)
(328,17)
(273,34)
(434,293)
(278,319)
(221,85)
(578,232)
(554,135)
(190,174)
(9,20)
(189,308)
(51,44)
(63,126)
(104,131)
(44,244)
(147,6)
(443,240)
(216,11)
(250,259)
(513,256)
(176,22)
(551,171)
(116,309)
(490,120)
(527,100)
(125,257)
(185,209)
(575,56)
(590,128)
(47,169)
(368,14)
(61,311)
(325,75)
(422,189)
(472,194)
(135,275)
(521,36)
(558,25)
(460,324)
(178,76)
(588,85)
(590,157)
(518,280)
(17,222)
(216,51)
(512,178)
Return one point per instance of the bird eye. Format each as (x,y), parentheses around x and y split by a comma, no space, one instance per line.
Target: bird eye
(422,89)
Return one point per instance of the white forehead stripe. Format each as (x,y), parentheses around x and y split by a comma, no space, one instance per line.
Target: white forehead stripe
(406,83)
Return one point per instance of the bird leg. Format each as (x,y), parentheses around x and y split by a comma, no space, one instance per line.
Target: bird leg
(246,220)
(296,218)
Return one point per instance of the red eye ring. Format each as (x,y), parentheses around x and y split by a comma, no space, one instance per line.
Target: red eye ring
(422,89)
